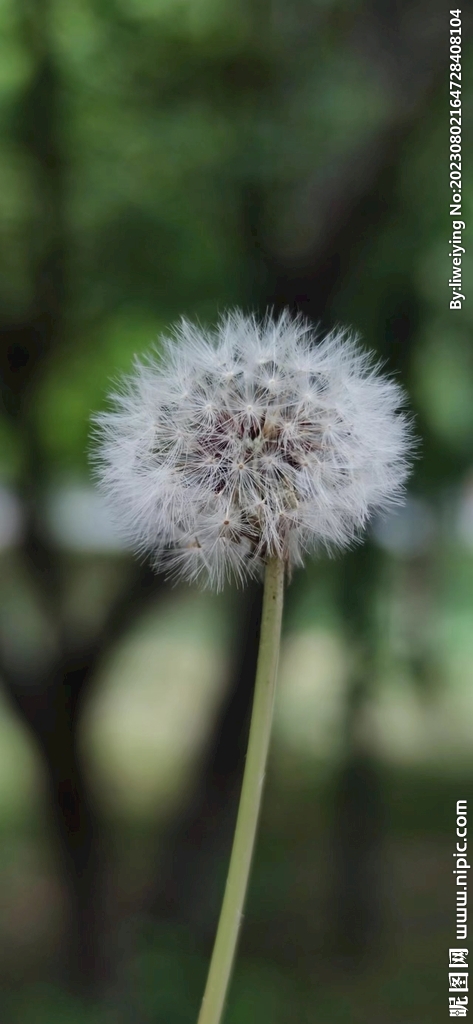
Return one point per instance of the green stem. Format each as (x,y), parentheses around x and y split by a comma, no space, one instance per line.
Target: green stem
(250,800)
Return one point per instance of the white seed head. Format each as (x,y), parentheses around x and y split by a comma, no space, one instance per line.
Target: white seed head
(251,440)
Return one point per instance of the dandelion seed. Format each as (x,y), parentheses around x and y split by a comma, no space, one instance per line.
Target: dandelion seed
(292,441)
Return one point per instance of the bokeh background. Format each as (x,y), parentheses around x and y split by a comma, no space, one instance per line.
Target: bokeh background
(162,157)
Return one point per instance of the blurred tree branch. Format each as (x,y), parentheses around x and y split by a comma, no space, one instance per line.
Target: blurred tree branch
(49,697)
(201,836)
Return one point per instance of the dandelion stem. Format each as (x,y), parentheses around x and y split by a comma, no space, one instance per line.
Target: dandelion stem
(250,800)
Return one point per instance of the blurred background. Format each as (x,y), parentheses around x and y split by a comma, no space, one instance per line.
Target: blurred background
(162,157)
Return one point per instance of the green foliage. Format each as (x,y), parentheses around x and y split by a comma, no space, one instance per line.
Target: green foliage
(168,117)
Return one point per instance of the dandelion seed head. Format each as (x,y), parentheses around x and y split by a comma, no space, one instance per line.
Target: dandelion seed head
(251,440)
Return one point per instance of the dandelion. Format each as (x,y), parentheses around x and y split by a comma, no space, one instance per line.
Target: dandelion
(250,442)
(237,453)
